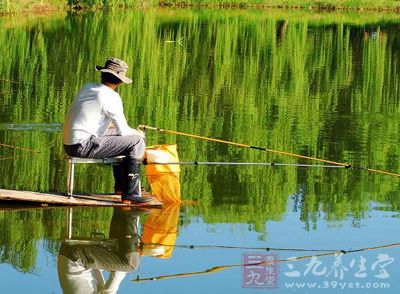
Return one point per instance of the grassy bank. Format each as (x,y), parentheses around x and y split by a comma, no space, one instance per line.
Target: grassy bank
(9,6)
(42,6)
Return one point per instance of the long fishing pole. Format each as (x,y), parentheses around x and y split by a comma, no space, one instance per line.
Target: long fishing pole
(145,128)
(224,267)
(346,165)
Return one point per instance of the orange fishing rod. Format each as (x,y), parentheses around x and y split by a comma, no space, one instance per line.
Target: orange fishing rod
(346,165)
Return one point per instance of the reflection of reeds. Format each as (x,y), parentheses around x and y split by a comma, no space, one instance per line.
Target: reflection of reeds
(7,92)
(235,71)
(319,87)
(21,230)
(319,6)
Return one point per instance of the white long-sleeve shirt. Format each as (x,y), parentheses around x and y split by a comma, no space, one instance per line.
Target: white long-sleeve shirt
(93,110)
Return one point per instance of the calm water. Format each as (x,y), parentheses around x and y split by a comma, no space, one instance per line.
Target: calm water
(326,86)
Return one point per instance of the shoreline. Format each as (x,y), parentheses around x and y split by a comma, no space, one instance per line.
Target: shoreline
(49,6)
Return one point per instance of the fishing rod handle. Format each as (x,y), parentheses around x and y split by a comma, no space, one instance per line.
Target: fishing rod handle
(144,128)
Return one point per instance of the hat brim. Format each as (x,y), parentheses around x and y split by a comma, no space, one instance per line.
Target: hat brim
(124,79)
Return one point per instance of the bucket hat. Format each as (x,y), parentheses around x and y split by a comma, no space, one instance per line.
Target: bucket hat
(116,67)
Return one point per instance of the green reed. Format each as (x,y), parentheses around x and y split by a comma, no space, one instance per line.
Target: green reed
(192,81)
(8,6)
(303,84)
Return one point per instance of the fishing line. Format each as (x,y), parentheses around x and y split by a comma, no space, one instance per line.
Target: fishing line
(242,247)
(19,148)
(9,81)
(347,165)
(13,157)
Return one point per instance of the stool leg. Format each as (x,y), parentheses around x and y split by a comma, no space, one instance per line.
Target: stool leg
(69,223)
(70,180)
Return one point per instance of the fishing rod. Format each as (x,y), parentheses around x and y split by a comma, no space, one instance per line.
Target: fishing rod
(346,165)
(262,263)
(243,163)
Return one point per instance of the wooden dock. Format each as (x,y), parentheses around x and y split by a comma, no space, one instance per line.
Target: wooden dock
(52,199)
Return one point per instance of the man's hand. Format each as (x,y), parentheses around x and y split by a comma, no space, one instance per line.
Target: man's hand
(139,132)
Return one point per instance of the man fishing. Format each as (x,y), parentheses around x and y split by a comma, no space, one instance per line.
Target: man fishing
(96,127)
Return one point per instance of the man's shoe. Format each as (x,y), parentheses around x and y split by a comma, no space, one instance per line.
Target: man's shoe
(135,199)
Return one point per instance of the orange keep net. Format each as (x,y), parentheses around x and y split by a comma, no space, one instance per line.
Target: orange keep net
(161,227)
(163,178)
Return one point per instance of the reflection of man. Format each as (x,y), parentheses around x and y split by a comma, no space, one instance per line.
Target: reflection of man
(80,264)
(88,133)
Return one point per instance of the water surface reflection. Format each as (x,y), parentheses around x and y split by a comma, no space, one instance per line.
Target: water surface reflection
(318,85)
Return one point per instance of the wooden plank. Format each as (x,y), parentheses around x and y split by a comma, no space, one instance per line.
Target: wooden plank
(108,197)
(79,200)
(100,197)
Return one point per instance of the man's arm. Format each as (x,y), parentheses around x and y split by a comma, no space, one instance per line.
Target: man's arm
(115,112)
